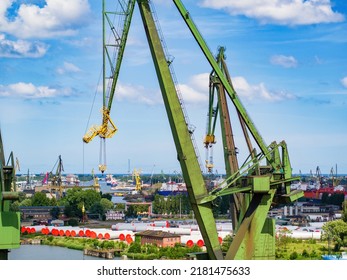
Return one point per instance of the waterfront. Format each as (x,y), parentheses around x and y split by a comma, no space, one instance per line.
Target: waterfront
(44,252)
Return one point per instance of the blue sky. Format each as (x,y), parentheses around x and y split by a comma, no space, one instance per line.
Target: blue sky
(287,59)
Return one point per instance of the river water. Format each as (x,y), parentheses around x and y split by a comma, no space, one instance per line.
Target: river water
(44,252)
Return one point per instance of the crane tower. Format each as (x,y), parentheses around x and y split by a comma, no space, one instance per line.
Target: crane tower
(263,179)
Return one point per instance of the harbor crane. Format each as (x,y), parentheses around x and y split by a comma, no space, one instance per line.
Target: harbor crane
(112,59)
(9,220)
(254,186)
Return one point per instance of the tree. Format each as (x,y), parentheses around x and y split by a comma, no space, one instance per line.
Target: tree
(26,202)
(55,211)
(107,196)
(335,231)
(130,213)
(76,198)
(344,211)
(97,209)
(40,199)
(106,204)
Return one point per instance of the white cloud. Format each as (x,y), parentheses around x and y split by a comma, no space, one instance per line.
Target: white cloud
(283,12)
(196,90)
(344,82)
(285,61)
(55,18)
(257,92)
(68,68)
(30,91)
(138,94)
(21,48)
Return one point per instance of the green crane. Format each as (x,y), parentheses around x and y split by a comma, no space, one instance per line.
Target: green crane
(9,220)
(253,187)
(112,58)
(264,185)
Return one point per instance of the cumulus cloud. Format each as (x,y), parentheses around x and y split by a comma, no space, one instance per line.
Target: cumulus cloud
(138,94)
(21,48)
(284,61)
(68,68)
(30,91)
(344,82)
(196,90)
(258,92)
(55,18)
(283,12)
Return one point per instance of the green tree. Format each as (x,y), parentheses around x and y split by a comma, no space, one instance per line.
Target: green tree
(106,204)
(26,202)
(335,231)
(40,199)
(53,201)
(119,206)
(75,198)
(130,212)
(55,211)
(226,243)
(70,212)
(97,209)
(344,211)
(134,247)
(107,196)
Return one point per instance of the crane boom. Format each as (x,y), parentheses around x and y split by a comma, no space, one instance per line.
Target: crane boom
(112,59)
(184,146)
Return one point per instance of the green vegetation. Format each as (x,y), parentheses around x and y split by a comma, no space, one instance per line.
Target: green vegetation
(95,203)
(336,232)
(288,248)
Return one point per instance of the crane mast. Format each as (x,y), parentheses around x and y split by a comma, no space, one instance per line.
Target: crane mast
(253,186)
(260,182)
(9,220)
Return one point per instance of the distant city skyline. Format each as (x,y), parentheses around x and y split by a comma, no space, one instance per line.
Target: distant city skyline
(287,61)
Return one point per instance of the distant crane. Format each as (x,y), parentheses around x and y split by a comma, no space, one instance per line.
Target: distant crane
(56,179)
(138,183)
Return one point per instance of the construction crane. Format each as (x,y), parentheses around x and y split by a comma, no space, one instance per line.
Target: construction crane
(9,220)
(112,59)
(56,179)
(262,180)
(138,183)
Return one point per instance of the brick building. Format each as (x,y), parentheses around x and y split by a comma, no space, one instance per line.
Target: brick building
(160,238)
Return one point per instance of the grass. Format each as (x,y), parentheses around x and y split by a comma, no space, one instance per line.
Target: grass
(299,249)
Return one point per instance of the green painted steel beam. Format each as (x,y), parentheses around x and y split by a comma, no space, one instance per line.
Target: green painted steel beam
(245,244)
(234,98)
(118,46)
(9,221)
(186,154)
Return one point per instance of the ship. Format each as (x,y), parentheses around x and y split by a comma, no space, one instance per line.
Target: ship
(172,188)
(111,181)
